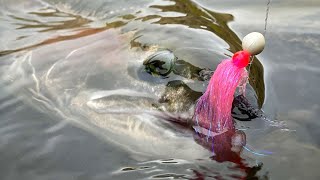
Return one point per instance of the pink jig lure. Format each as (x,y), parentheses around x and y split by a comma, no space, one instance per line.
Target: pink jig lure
(213,109)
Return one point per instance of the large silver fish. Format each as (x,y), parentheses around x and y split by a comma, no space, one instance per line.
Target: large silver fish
(91,78)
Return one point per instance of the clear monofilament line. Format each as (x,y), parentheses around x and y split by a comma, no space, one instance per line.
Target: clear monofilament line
(266,19)
(249,68)
(264,32)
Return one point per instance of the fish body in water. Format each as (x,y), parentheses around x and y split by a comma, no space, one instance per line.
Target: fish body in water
(92,78)
(136,115)
(63,81)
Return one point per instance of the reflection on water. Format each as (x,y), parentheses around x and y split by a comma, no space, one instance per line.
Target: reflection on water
(75,21)
(128,73)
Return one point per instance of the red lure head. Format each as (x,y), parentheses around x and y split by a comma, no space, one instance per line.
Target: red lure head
(241,59)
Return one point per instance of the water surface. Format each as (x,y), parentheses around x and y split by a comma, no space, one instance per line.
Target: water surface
(74,91)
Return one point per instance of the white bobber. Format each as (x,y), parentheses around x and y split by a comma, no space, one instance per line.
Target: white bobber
(253,43)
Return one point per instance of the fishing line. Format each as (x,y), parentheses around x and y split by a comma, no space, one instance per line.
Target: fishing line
(264,31)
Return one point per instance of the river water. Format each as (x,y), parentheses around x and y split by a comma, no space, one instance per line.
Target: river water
(75,97)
